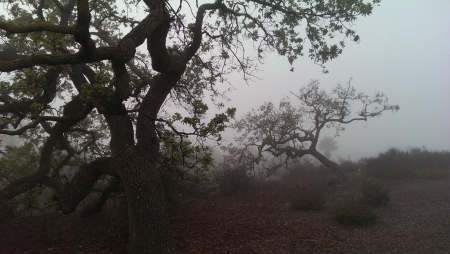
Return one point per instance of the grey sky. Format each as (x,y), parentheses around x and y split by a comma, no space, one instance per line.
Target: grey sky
(404,52)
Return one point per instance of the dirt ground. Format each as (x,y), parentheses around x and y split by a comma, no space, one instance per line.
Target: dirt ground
(416,220)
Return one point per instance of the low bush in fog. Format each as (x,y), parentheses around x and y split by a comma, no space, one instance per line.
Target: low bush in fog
(233,180)
(354,213)
(305,172)
(374,195)
(359,211)
(182,187)
(307,199)
(413,163)
(349,166)
(333,180)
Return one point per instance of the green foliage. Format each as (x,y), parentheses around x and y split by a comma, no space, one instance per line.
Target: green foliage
(354,213)
(17,162)
(307,199)
(414,163)
(90,92)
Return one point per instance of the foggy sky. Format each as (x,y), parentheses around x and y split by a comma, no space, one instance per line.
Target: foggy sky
(404,52)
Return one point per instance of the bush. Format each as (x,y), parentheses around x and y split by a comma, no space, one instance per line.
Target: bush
(306,172)
(182,187)
(333,180)
(349,166)
(414,163)
(374,195)
(233,181)
(304,200)
(354,213)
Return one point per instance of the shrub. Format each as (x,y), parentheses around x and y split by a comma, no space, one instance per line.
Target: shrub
(433,173)
(182,186)
(349,166)
(305,199)
(307,173)
(414,163)
(374,195)
(233,181)
(354,213)
(333,180)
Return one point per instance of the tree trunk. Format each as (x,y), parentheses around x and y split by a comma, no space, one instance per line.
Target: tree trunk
(330,164)
(148,221)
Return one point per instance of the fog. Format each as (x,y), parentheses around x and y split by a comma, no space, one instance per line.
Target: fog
(404,52)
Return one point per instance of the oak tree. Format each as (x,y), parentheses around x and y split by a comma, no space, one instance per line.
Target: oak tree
(292,131)
(91,80)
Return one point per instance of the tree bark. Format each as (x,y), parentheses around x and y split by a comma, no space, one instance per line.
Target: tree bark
(148,220)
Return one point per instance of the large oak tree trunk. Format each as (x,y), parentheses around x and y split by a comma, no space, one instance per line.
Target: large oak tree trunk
(138,169)
(148,221)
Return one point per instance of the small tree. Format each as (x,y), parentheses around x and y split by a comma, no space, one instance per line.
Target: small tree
(294,131)
(327,144)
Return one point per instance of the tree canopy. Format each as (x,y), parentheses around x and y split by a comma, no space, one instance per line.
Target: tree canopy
(77,81)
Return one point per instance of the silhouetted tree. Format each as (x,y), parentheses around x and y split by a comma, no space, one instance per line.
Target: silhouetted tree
(293,132)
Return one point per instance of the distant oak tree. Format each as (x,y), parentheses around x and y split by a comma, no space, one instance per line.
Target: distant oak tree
(291,131)
(89,81)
